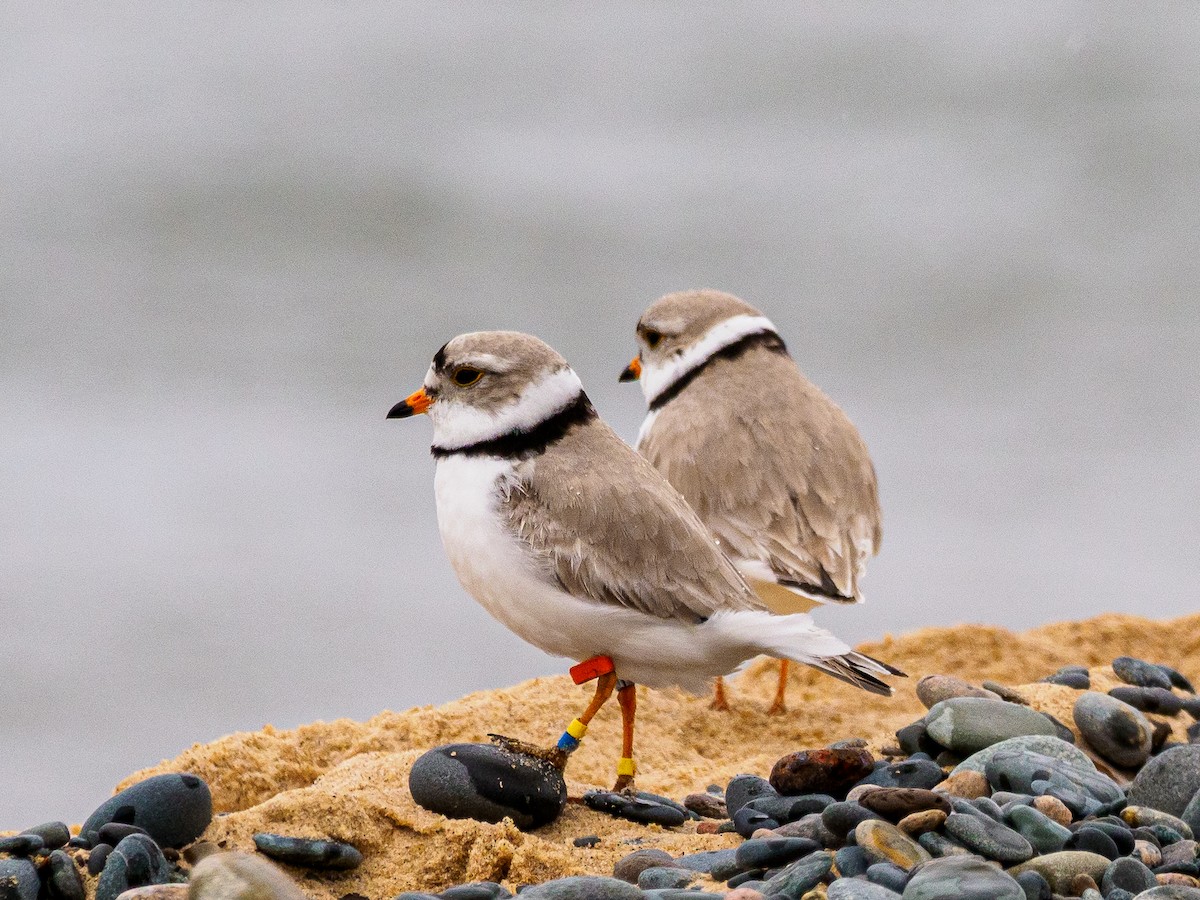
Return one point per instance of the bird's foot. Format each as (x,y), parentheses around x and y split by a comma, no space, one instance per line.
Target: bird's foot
(624,785)
(719,703)
(552,755)
(778,708)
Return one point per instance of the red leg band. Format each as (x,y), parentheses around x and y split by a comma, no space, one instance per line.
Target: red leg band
(591,668)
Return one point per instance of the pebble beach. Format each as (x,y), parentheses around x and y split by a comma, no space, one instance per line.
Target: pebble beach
(1062,761)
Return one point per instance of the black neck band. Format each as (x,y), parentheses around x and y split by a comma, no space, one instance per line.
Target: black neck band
(768,340)
(522,443)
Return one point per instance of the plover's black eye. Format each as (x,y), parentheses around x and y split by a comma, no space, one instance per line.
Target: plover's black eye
(466,376)
(653,338)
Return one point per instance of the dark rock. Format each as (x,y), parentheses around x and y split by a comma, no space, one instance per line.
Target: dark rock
(97,858)
(844,816)
(173,809)
(744,788)
(720,864)
(889,876)
(21,844)
(804,804)
(1179,852)
(912,773)
(18,880)
(642,806)
(989,838)
(583,887)
(1137,671)
(590,840)
(748,820)
(79,842)
(1078,802)
(801,876)
(938,845)
(135,862)
(488,783)
(896,803)
(1092,840)
(969,724)
(629,867)
(1071,676)
(768,853)
(1114,729)
(1152,700)
(776,807)
(1121,835)
(63,880)
(1177,679)
(115,832)
(826,771)
(706,805)
(961,878)
(989,808)
(747,878)
(53,834)
(915,738)
(1035,886)
(851,861)
(657,877)
(1168,781)
(311,854)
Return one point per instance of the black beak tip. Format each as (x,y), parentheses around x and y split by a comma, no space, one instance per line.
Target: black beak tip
(400,411)
(627,375)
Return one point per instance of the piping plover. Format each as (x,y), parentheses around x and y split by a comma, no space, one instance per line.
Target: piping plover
(768,462)
(576,543)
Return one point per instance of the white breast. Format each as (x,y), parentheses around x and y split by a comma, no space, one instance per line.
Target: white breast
(499,571)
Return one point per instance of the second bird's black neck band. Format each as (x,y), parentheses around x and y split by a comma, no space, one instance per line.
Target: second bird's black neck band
(522,443)
(768,340)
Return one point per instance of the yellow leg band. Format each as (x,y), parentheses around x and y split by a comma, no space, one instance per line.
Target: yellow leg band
(576,729)
(626,766)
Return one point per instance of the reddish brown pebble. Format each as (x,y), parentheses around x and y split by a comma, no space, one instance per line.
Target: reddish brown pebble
(1053,808)
(707,827)
(896,803)
(1083,882)
(967,784)
(825,771)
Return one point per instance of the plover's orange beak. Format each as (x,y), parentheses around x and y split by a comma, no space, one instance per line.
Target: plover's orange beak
(633,371)
(412,405)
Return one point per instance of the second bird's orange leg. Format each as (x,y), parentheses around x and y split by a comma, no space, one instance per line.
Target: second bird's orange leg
(719,701)
(626,768)
(779,707)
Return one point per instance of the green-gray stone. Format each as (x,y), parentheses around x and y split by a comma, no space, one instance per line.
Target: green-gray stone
(802,875)
(1037,743)
(1042,832)
(961,878)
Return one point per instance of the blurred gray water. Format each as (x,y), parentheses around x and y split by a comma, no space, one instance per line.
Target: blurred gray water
(232,235)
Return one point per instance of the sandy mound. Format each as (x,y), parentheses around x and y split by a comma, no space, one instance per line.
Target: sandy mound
(349,780)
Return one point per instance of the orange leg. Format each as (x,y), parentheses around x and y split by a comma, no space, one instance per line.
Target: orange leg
(779,707)
(558,754)
(627,697)
(719,700)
